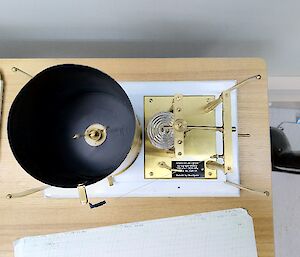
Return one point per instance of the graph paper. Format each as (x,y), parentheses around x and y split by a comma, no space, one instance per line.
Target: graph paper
(227,233)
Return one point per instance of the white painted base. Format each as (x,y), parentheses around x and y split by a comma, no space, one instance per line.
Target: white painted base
(132,183)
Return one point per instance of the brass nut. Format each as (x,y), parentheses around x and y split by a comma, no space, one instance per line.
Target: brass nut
(94,135)
(180,125)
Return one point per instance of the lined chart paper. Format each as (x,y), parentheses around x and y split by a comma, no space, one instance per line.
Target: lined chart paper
(227,233)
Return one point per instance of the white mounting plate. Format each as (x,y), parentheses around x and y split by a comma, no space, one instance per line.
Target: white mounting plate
(132,183)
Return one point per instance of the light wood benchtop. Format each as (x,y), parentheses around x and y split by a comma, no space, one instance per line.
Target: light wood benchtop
(36,215)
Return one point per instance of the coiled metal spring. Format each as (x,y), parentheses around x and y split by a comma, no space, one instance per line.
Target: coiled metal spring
(159,132)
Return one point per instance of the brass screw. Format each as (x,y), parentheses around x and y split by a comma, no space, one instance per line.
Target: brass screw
(178,98)
(209,173)
(151,173)
(76,136)
(228,168)
(161,164)
(258,76)
(178,109)
(179,153)
(150,100)
(179,142)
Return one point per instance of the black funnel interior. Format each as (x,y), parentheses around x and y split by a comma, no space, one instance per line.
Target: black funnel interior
(55,105)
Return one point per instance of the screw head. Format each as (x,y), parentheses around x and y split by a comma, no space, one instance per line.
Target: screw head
(151,173)
(179,153)
(209,173)
(179,142)
(180,125)
(150,100)
(178,109)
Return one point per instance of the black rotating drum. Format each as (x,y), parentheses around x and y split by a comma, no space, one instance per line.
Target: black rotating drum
(72,125)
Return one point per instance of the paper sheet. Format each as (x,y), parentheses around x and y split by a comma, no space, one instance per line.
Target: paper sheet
(228,233)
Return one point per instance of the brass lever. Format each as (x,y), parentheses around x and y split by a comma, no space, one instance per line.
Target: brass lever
(213,165)
(84,197)
(26,192)
(265,193)
(213,104)
(15,69)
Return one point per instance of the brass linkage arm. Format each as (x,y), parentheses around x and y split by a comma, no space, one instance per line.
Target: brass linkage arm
(213,104)
(265,193)
(15,69)
(26,192)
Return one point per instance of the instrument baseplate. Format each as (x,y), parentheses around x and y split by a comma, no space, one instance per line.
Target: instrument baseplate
(132,183)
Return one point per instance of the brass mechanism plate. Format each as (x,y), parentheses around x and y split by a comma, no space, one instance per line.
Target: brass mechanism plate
(199,145)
